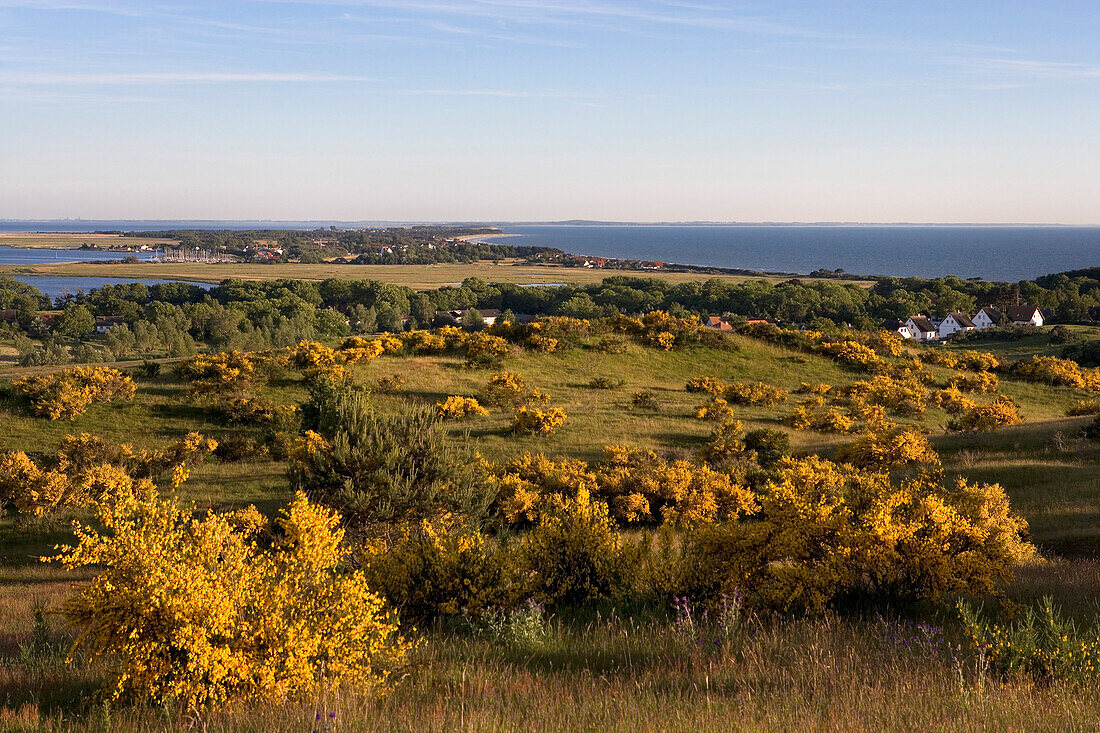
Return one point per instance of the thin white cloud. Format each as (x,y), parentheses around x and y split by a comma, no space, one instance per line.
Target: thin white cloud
(1033,68)
(171,77)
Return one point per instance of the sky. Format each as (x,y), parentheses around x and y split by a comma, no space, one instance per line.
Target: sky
(539,110)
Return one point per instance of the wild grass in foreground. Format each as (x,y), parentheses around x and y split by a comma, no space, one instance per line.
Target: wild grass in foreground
(616,674)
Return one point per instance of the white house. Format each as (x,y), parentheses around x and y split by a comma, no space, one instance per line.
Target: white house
(898,327)
(1022,315)
(921,328)
(987,317)
(954,323)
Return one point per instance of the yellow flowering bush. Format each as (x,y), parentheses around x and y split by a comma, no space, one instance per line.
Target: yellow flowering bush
(436,568)
(813,388)
(825,531)
(710,385)
(640,486)
(825,421)
(854,354)
(423,342)
(484,349)
(456,408)
(190,610)
(756,393)
(986,417)
(574,554)
(977,361)
(506,388)
(717,409)
(1052,370)
(357,348)
(70,392)
(725,442)
(905,397)
(887,448)
(939,357)
(537,421)
(225,371)
(952,400)
(545,344)
(88,468)
(1084,407)
(979,382)
(29,488)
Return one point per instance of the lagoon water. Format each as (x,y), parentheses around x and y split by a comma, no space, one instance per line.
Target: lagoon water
(993,253)
(59,287)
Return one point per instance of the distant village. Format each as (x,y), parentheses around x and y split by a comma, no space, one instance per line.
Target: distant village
(930,328)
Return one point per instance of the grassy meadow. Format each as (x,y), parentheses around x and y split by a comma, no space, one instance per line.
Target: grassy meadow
(418,277)
(605,668)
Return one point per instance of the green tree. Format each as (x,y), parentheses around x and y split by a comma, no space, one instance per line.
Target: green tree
(75,321)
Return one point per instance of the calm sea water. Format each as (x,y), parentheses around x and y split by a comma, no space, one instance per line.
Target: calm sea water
(993,253)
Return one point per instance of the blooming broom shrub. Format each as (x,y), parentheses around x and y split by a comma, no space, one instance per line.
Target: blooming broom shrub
(710,385)
(456,407)
(1042,644)
(756,393)
(437,568)
(70,392)
(979,382)
(573,555)
(536,421)
(986,417)
(717,409)
(640,486)
(888,448)
(1052,370)
(190,610)
(1084,407)
(825,532)
(223,372)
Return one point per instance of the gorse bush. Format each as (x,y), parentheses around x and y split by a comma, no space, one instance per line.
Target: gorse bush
(192,611)
(537,421)
(710,385)
(826,532)
(644,400)
(757,393)
(69,393)
(435,568)
(88,469)
(457,407)
(574,554)
(226,371)
(889,448)
(1052,370)
(986,417)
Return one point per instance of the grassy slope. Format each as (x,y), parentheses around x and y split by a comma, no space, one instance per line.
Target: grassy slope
(611,674)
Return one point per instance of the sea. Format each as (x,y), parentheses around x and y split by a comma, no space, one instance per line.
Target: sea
(992,253)
(1004,253)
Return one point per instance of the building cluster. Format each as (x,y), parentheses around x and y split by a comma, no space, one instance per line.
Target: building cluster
(930,328)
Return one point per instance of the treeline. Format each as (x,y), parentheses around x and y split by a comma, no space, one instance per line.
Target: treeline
(420,245)
(240,314)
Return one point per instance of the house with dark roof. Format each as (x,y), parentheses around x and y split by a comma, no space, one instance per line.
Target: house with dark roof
(1023,315)
(921,328)
(896,326)
(954,323)
(987,317)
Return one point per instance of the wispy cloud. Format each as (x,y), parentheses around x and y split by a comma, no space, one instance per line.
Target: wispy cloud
(1035,69)
(170,77)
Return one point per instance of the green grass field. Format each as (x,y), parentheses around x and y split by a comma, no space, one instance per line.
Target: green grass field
(419,277)
(608,669)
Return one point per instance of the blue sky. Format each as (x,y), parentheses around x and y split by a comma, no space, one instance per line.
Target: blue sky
(640,110)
